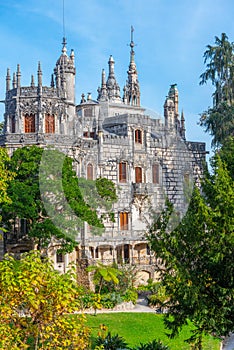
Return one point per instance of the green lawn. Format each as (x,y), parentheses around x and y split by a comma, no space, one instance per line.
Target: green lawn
(138,328)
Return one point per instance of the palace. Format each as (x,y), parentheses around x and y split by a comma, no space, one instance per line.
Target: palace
(112,136)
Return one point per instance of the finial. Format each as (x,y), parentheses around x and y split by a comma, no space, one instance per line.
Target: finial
(182,124)
(8,80)
(18,75)
(39,74)
(52,80)
(132,42)
(32,81)
(14,81)
(64,49)
(103,78)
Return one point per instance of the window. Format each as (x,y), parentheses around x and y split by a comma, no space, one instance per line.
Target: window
(88,134)
(59,258)
(155,174)
(123,220)
(49,124)
(138,174)
(90,171)
(122,172)
(138,136)
(29,123)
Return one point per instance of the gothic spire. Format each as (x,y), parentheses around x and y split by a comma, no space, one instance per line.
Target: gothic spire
(14,81)
(39,74)
(8,80)
(182,123)
(32,81)
(113,90)
(102,91)
(132,88)
(18,76)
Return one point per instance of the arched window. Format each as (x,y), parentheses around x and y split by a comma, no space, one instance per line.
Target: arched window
(123,220)
(122,172)
(90,171)
(155,174)
(29,123)
(49,124)
(138,136)
(138,174)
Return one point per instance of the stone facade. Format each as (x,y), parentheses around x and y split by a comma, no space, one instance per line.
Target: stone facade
(113,137)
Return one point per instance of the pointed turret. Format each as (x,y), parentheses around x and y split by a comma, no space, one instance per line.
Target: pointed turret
(14,81)
(32,81)
(65,75)
(52,81)
(39,75)
(102,91)
(171,108)
(113,90)
(8,80)
(132,87)
(18,76)
(182,123)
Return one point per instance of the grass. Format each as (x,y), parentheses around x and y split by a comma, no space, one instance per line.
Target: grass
(138,328)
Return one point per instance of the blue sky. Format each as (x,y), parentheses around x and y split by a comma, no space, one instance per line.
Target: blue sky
(171,37)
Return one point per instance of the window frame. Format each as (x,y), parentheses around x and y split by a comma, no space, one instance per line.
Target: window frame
(123,172)
(29,123)
(155,174)
(124,221)
(49,124)
(138,136)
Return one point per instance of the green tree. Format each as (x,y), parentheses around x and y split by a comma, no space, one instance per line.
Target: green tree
(219,60)
(198,260)
(1,127)
(35,301)
(5,177)
(46,194)
(103,273)
(226,154)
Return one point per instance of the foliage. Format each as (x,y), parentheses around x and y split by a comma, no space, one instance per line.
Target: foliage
(111,342)
(1,127)
(152,345)
(5,176)
(130,295)
(198,259)
(158,296)
(142,327)
(34,303)
(46,194)
(226,154)
(103,273)
(219,122)
(219,59)
(110,300)
(126,277)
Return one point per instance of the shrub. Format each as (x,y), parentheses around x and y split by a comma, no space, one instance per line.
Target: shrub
(152,345)
(130,295)
(111,342)
(110,300)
